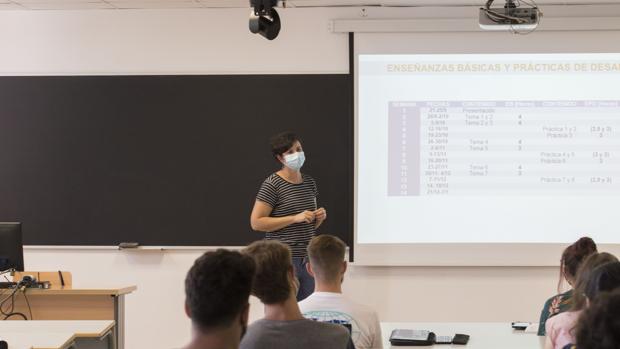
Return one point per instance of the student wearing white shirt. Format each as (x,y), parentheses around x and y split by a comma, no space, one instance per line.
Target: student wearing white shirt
(327,265)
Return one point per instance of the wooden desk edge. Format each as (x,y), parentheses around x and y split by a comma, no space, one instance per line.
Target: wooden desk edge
(82,291)
(75,336)
(96,334)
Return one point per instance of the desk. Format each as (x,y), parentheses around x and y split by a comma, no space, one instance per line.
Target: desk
(483,335)
(46,334)
(74,303)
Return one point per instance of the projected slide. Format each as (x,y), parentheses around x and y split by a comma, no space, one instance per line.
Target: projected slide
(503,148)
(488,148)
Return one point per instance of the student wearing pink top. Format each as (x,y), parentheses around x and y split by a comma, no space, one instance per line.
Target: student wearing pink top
(599,326)
(591,280)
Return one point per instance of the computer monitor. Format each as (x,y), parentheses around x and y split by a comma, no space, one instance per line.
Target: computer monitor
(11,248)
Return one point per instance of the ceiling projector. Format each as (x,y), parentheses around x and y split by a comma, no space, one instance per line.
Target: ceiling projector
(522,18)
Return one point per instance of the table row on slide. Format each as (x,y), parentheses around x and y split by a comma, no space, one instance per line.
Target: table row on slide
(503,148)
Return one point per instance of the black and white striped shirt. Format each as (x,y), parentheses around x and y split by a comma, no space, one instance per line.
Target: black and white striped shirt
(288,199)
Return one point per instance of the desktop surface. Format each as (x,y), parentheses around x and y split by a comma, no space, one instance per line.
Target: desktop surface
(483,335)
(57,334)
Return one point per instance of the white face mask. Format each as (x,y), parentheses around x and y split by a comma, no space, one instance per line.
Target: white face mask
(294,161)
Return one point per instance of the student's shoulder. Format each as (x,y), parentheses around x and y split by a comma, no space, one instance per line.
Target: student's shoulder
(362,309)
(255,335)
(561,321)
(328,328)
(558,303)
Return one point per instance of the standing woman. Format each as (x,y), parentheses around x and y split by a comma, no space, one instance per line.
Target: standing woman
(286,208)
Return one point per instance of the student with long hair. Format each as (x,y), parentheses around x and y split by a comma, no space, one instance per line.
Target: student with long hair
(560,328)
(599,326)
(572,257)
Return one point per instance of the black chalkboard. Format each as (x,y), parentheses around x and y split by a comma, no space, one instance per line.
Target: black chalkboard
(164,160)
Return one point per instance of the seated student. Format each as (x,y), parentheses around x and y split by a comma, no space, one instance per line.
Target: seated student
(217,290)
(572,257)
(284,326)
(599,326)
(327,303)
(560,327)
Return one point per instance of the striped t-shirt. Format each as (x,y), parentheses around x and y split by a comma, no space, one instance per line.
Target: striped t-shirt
(288,199)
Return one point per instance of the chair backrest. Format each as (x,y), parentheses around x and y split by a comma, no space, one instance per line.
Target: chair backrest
(55,278)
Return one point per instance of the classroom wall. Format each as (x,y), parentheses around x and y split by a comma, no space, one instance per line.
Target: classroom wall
(155,317)
(217,42)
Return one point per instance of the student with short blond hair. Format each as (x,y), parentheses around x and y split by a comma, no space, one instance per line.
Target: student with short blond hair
(327,264)
(284,326)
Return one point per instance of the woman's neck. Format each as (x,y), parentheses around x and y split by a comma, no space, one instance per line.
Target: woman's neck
(290,175)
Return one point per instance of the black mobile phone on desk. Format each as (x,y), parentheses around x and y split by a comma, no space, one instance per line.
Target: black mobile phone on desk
(412,337)
(460,339)
(520,325)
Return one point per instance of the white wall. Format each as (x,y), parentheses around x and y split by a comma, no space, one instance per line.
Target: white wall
(155,317)
(217,41)
(209,41)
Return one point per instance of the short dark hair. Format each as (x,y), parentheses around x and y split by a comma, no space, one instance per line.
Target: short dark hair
(273,263)
(326,254)
(282,142)
(599,325)
(586,274)
(217,288)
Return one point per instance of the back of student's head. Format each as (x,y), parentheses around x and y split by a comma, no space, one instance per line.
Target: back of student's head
(217,288)
(573,256)
(326,254)
(586,274)
(599,325)
(603,278)
(274,266)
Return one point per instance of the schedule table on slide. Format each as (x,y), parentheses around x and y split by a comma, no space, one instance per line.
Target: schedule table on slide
(503,148)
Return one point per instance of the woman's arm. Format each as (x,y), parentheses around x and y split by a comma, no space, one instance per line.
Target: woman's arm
(260,220)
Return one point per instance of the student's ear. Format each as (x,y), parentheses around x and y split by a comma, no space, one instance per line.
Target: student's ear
(309,269)
(345,265)
(187,311)
(293,279)
(245,315)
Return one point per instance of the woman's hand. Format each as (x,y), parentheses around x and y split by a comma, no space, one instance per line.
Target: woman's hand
(304,217)
(320,215)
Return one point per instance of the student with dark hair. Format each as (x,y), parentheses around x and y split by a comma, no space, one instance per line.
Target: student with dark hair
(217,290)
(589,283)
(283,325)
(286,206)
(599,326)
(328,266)
(572,257)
